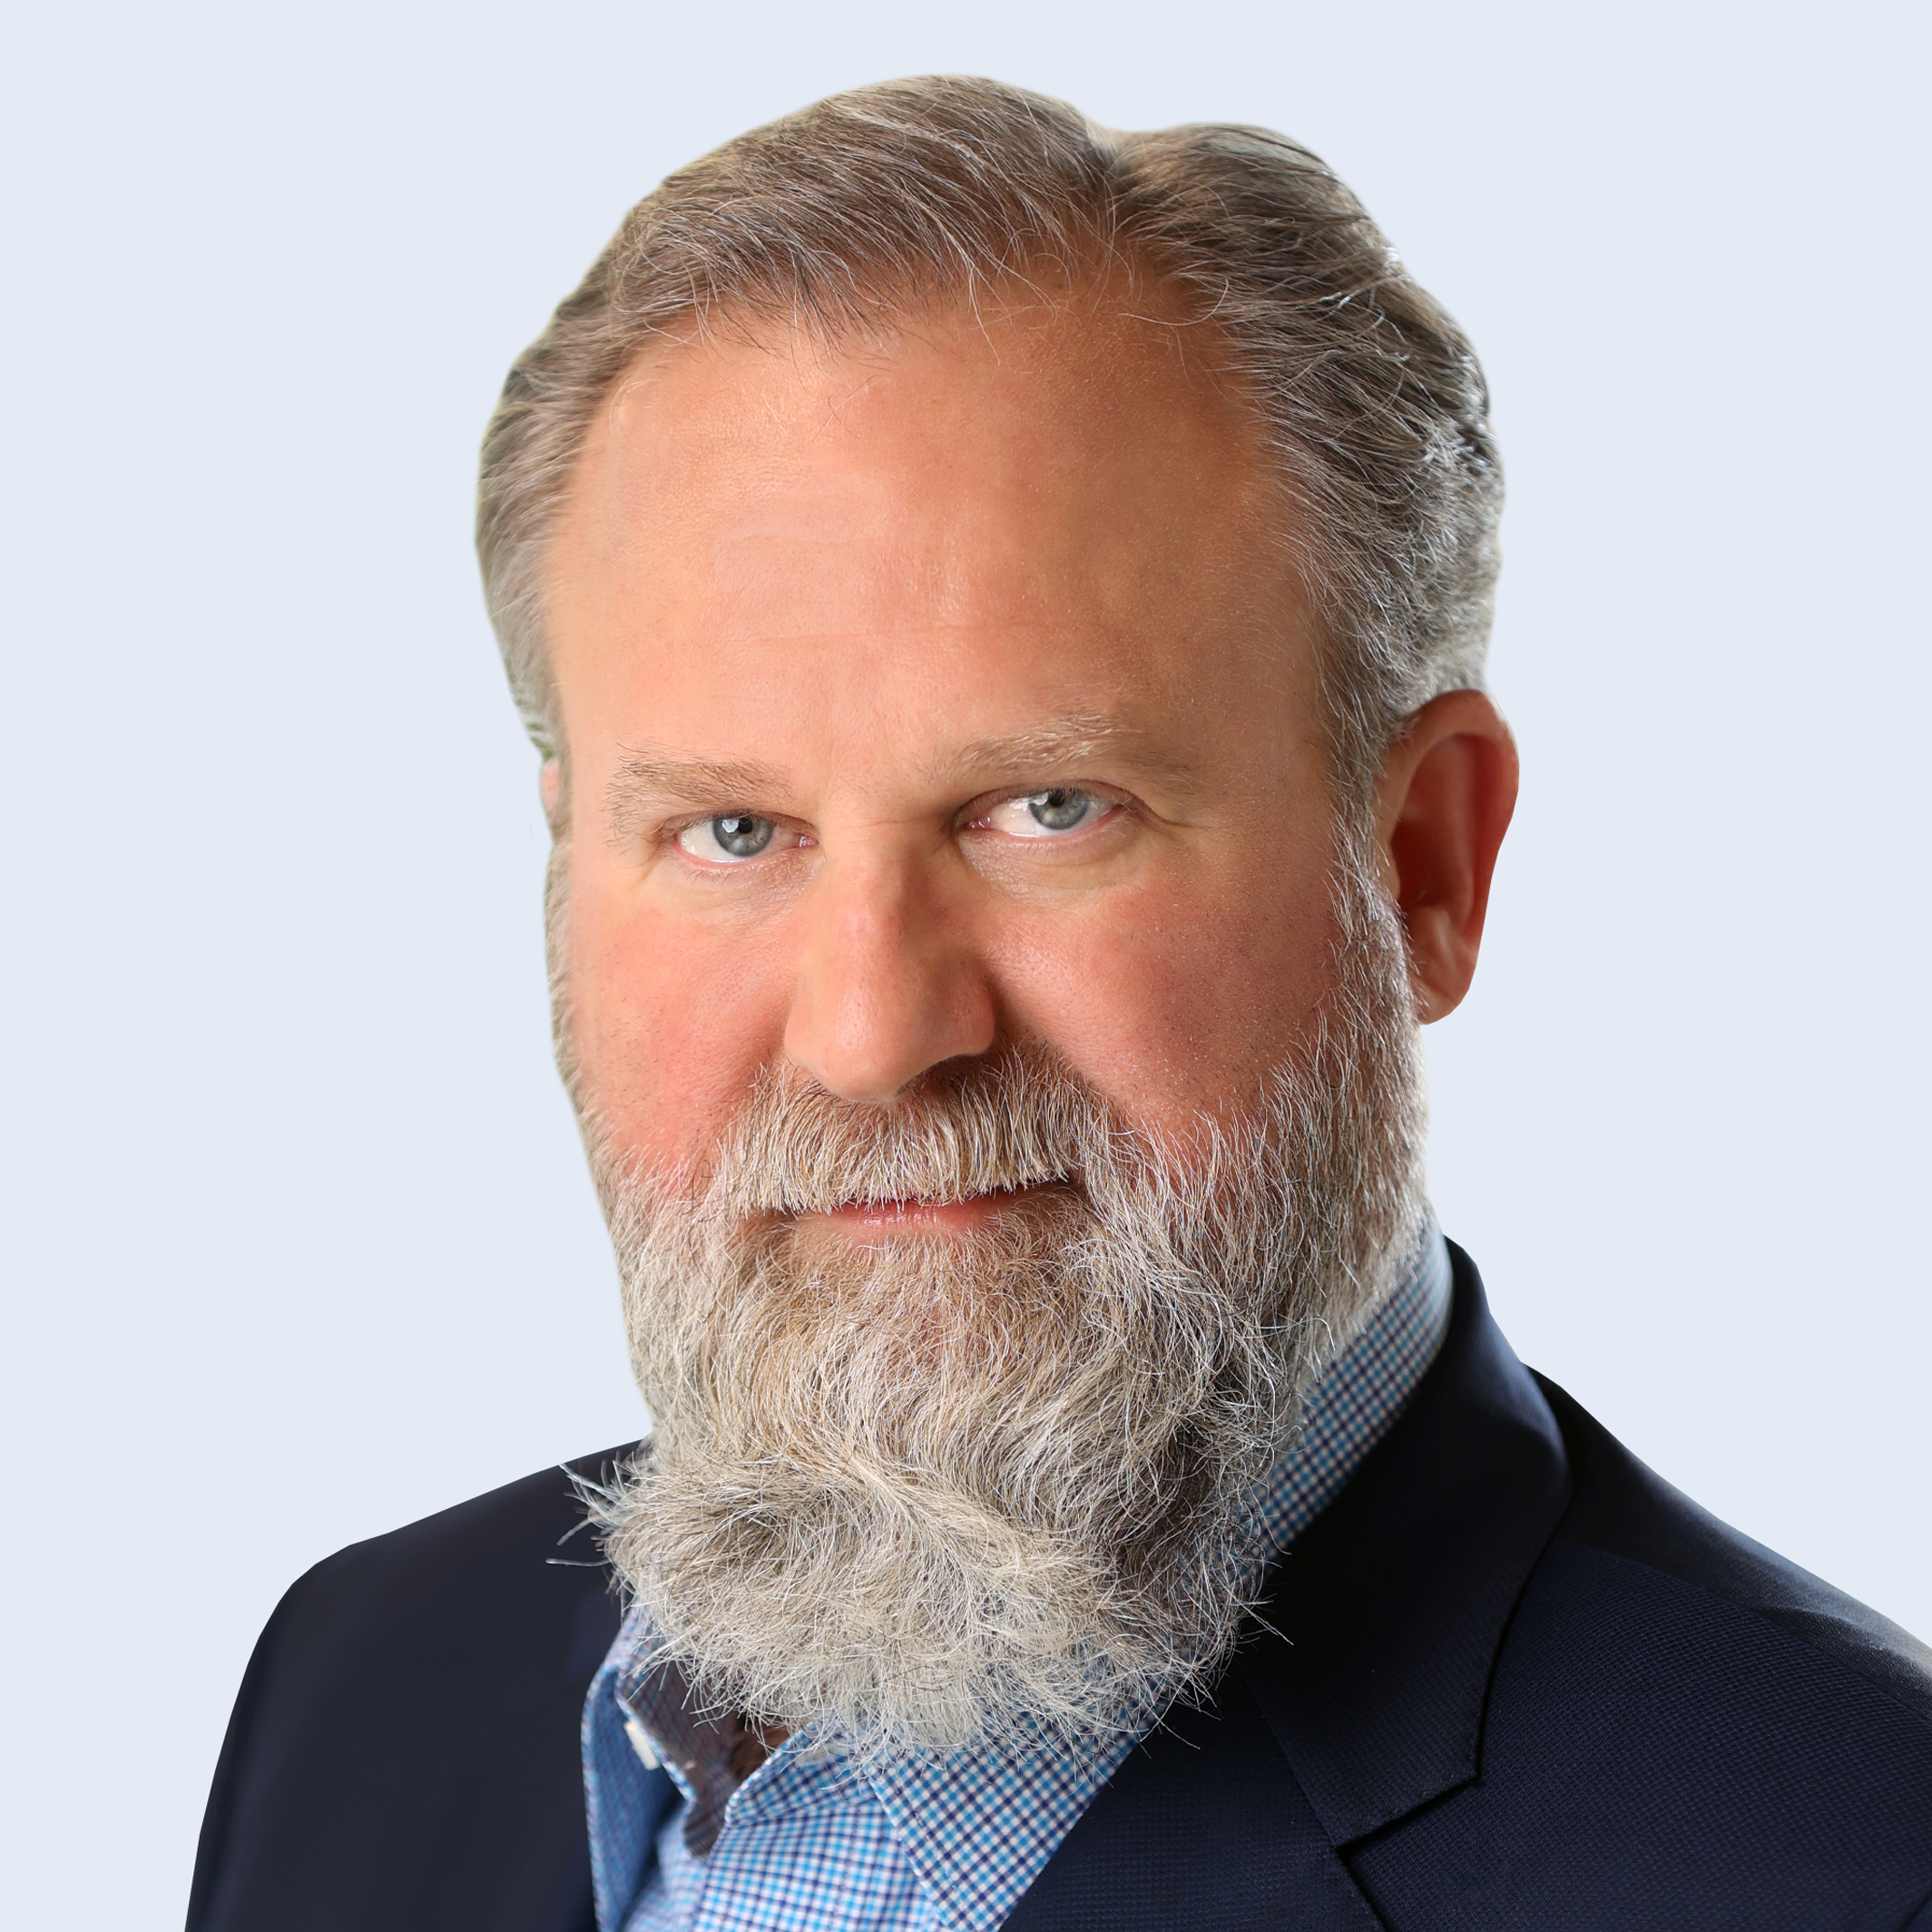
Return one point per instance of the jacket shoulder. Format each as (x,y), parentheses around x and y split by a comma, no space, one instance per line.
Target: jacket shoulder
(484,1553)
(1625,1509)
(403,1751)
(1681,1730)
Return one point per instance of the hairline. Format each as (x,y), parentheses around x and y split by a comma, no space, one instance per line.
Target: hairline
(836,219)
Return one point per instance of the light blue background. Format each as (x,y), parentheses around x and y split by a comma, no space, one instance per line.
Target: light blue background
(297,1243)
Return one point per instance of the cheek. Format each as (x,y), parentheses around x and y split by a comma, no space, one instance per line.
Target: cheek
(670,1029)
(1183,996)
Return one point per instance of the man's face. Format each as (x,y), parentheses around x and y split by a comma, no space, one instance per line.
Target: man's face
(926,700)
(1001,1084)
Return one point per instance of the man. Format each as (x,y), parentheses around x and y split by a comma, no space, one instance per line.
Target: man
(1002,606)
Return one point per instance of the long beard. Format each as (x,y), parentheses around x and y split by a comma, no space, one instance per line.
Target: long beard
(943,1490)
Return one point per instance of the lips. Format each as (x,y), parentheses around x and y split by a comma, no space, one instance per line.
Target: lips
(919,1216)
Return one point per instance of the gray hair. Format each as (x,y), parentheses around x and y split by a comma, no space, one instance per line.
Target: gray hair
(891,199)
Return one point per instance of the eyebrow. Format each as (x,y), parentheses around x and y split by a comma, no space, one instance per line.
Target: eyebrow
(650,777)
(1066,744)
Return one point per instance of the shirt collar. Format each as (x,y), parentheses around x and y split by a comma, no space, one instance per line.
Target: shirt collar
(1360,1395)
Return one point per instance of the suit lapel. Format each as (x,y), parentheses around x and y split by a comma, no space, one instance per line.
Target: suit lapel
(1358,1693)
(1381,1625)
(1202,1826)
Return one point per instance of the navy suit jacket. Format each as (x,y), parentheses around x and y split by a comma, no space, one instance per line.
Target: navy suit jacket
(1509,1678)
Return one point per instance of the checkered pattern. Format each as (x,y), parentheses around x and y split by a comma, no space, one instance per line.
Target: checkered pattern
(932,1845)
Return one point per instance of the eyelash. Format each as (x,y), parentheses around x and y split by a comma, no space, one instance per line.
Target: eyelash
(979,816)
(976,817)
(674,835)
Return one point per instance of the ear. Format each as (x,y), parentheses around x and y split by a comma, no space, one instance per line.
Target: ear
(1447,788)
(550,788)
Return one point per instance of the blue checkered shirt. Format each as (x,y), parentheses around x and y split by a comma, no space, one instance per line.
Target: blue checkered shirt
(924,1844)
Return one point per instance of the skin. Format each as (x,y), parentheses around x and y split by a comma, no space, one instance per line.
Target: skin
(880,597)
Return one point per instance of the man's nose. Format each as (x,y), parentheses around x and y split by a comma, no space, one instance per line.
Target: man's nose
(888,983)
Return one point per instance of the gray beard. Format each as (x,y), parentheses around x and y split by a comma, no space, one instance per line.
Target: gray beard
(940,1491)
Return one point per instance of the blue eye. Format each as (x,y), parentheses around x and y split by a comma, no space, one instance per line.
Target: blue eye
(1060,811)
(1050,814)
(742,835)
(728,837)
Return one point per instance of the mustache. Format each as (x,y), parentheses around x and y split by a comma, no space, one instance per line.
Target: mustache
(1016,1119)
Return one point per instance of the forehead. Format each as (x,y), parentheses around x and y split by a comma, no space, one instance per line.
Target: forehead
(979,506)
